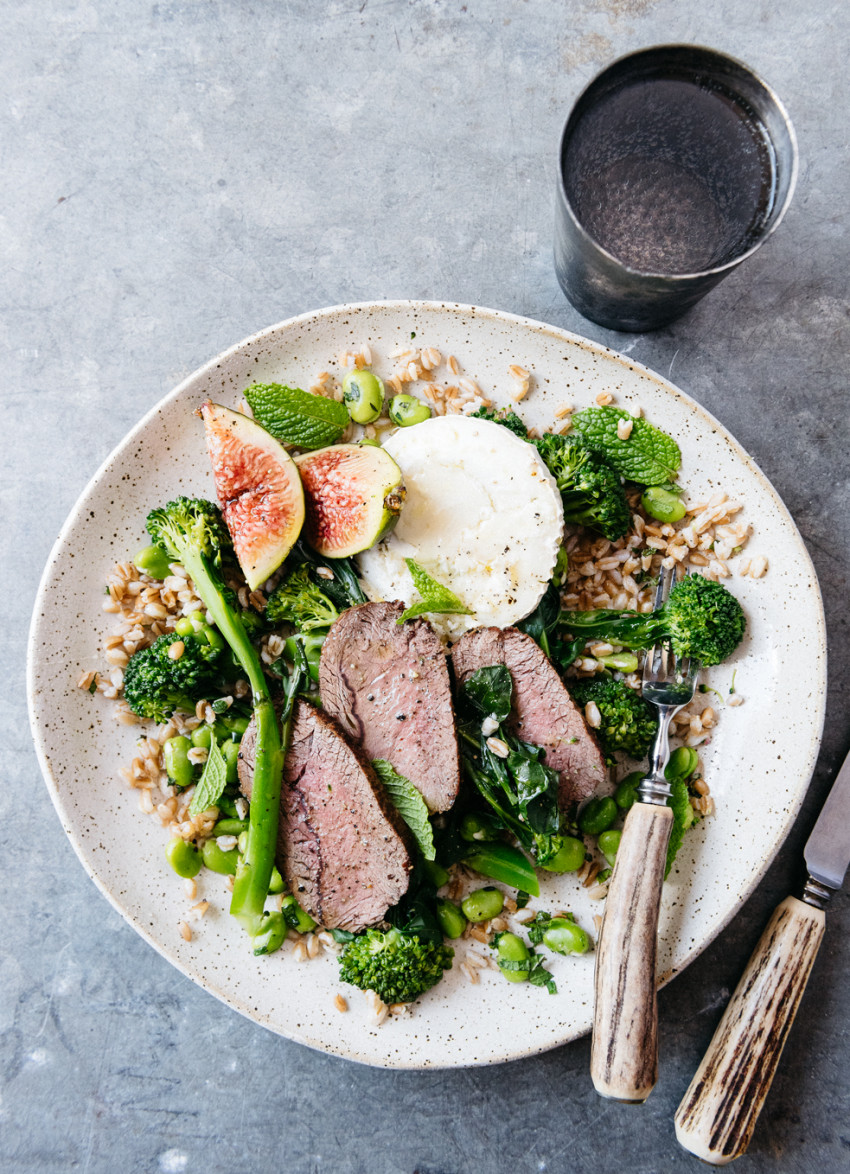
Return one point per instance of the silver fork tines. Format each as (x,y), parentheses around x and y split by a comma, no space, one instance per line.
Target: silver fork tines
(668,684)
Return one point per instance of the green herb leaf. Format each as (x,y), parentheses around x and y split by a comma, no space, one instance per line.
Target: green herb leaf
(538,975)
(297,417)
(435,597)
(538,926)
(649,456)
(93,685)
(342,936)
(211,784)
(409,804)
(522,898)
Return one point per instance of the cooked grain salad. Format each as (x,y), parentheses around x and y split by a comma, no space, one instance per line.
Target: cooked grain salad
(168,768)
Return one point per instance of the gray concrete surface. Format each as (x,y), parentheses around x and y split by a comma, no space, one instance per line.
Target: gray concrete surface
(177,174)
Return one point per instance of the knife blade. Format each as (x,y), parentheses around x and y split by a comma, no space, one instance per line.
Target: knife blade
(719,1111)
(827,851)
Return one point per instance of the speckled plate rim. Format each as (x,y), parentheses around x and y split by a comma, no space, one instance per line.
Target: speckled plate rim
(413,306)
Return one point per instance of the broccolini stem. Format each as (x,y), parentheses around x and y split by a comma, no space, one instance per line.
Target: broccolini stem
(254,874)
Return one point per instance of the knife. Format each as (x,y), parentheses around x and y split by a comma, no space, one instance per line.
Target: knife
(719,1111)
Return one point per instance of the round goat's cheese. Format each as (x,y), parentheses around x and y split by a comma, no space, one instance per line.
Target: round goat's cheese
(483,516)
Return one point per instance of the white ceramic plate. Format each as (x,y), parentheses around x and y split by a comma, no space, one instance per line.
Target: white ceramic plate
(758,763)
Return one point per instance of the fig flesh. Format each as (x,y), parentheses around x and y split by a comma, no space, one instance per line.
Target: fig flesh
(259,490)
(353,495)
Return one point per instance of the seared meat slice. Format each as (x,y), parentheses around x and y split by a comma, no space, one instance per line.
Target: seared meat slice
(387,684)
(543,711)
(341,844)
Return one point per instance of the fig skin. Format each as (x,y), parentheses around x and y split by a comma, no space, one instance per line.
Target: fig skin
(353,497)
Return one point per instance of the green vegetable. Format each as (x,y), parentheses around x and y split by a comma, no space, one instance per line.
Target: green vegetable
(509,419)
(405,410)
(276,883)
(230,751)
(271,934)
(452,921)
(591,490)
(409,804)
(297,417)
(153,561)
(561,934)
(155,685)
(513,956)
(217,860)
(521,791)
(230,827)
(296,917)
(622,662)
(396,966)
(503,863)
(363,393)
(597,815)
(192,533)
(299,600)
(649,456)
(627,790)
(434,597)
(519,964)
(483,904)
(475,828)
(568,858)
(683,818)
(212,782)
(701,619)
(435,873)
(664,502)
(202,737)
(628,722)
(682,762)
(175,754)
(609,842)
(183,857)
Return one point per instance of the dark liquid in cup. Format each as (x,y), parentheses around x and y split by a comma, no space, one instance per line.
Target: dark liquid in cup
(670,176)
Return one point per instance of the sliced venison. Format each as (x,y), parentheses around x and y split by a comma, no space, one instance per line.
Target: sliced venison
(341,845)
(387,684)
(543,711)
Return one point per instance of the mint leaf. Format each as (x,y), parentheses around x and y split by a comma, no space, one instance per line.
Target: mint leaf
(435,597)
(211,783)
(649,456)
(683,818)
(297,417)
(409,804)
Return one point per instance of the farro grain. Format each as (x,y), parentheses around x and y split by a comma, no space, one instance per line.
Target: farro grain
(185,931)
(340,1003)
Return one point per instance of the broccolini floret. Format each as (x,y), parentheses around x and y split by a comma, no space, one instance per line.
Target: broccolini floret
(155,685)
(628,722)
(298,600)
(397,967)
(701,619)
(591,490)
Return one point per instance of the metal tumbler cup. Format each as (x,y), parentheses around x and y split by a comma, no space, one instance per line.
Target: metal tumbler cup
(676,163)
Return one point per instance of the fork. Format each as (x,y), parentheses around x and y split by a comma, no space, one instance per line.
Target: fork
(624,1054)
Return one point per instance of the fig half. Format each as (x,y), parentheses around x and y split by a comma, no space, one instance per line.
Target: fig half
(353,494)
(259,490)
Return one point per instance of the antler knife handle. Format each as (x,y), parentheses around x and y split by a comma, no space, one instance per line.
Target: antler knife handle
(719,1111)
(624,1055)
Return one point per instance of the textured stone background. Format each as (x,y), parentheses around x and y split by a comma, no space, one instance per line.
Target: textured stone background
(176,175)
